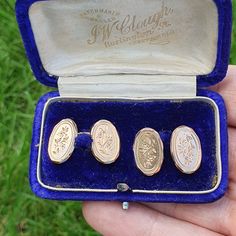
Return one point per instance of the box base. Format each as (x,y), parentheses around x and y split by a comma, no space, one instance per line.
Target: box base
(83,178)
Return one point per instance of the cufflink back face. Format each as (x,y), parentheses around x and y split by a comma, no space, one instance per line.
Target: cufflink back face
(106,142)
(186,149)
(148,151)
(62,141)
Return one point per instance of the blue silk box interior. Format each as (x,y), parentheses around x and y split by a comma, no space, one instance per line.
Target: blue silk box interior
(137,64)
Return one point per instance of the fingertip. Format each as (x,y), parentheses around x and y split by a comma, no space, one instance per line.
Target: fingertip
(101,216)
(88,210)
(85,206)
(90,213)
(232,70)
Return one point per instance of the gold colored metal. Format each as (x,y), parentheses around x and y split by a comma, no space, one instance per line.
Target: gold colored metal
(148,151)
(106,142)
(186,149)
(62,141)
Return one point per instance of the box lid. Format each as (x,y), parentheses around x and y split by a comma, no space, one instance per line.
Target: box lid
(149,37)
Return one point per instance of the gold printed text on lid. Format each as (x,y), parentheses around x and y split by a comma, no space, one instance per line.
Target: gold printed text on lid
(186,149)
(148,151)
(62,141)
(106,142)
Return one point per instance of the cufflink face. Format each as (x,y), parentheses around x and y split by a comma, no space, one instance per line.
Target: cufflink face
(148,151)
(62,141)
(106,142)
(186,149)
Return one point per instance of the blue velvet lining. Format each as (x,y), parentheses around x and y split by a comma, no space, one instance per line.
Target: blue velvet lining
(84,171)
(223,51)
(83,141)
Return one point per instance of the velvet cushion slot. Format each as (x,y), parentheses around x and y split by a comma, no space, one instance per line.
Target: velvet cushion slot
(225,24)
(83,171)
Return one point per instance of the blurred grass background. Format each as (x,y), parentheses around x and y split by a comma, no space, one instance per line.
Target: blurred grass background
(21,213)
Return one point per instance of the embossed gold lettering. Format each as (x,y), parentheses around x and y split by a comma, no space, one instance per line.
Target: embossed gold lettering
(104,29)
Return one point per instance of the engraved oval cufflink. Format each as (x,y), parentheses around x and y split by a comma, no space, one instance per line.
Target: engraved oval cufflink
(62,141)
(106,142)
(186,149)
(148,151)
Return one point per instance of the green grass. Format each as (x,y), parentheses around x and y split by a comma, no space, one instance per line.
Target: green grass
(233,50)
(21,213)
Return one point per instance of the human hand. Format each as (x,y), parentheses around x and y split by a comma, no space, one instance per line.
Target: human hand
(151,219)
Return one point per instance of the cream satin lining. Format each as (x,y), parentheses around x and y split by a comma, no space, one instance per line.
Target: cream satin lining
(128,86)
(89,37)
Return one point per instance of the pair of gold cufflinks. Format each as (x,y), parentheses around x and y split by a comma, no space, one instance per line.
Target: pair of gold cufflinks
(185,148)
(148,146)
(105,141)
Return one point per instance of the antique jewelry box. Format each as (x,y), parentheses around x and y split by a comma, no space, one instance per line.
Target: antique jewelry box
(139,64)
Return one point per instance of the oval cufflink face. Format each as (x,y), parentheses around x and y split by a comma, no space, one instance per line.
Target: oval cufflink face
(148,151)
(186,149)
(106,142)
(62,141)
